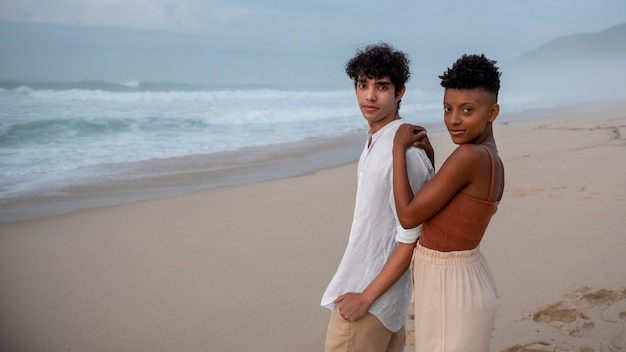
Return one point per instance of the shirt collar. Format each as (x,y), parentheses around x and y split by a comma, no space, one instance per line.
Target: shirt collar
(390,127)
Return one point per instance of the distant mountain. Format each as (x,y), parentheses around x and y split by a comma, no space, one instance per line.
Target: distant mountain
(610,43)
(587,66)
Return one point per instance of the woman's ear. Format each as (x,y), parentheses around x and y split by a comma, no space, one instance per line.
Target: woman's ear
(493,112)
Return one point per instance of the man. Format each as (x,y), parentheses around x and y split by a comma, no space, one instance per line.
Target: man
(371,290)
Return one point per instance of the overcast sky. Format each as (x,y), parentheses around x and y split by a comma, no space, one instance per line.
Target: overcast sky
(292,43)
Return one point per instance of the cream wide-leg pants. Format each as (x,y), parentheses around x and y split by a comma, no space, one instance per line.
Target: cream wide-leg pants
(455,301)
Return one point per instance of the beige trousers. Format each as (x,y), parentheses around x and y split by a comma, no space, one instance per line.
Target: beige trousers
(455,301)
(367,334)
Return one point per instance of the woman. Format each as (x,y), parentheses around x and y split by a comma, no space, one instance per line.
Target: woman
(455,294)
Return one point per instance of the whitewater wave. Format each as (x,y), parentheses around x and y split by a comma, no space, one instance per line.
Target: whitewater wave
(125,86)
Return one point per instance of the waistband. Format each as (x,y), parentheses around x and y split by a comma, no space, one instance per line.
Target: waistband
(431,256)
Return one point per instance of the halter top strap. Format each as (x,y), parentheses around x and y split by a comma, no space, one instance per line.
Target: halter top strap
(493,170)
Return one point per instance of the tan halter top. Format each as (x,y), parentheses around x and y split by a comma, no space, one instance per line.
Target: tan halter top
(461,224)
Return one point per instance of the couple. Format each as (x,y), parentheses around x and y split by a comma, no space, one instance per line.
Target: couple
(403,214)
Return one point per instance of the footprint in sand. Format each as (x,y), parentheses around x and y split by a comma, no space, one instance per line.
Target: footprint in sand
(523,192)
(587,319)
(537,346)
(566,318)
(558,192)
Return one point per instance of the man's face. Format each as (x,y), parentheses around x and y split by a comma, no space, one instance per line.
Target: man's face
(378,101)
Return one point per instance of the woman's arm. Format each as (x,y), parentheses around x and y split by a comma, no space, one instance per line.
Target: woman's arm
(455,173)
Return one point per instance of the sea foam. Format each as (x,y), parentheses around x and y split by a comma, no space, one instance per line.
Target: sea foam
(56,132)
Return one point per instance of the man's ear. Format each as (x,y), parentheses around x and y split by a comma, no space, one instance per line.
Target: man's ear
(400,93)
(493,112)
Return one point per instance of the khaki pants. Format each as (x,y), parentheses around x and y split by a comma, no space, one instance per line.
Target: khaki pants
(367,334)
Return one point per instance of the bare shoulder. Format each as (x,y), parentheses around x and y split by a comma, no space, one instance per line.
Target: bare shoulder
(468,153)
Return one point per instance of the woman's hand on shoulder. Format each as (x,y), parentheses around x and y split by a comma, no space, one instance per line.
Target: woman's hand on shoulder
(424,143)
(405,137)
(413,135)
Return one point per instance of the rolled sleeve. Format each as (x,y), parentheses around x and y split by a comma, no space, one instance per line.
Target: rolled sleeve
(408,236)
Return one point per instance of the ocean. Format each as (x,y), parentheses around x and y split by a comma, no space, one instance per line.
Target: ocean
(59,141)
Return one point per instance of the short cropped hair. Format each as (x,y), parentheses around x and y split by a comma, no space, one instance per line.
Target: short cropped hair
(472,71)
(378,61)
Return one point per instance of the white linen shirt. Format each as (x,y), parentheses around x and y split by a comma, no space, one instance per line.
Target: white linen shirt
(376,231)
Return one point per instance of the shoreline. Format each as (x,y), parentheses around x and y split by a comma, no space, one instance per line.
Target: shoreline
(156,179)
(115,184)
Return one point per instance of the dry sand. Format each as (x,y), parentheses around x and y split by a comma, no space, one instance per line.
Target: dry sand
(243,268)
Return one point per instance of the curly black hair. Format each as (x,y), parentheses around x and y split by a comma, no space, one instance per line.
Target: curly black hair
(472,71)
(378,61)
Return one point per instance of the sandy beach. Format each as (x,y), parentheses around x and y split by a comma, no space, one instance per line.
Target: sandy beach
(243,268)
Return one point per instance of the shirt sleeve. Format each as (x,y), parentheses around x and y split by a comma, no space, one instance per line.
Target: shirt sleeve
(419,170)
